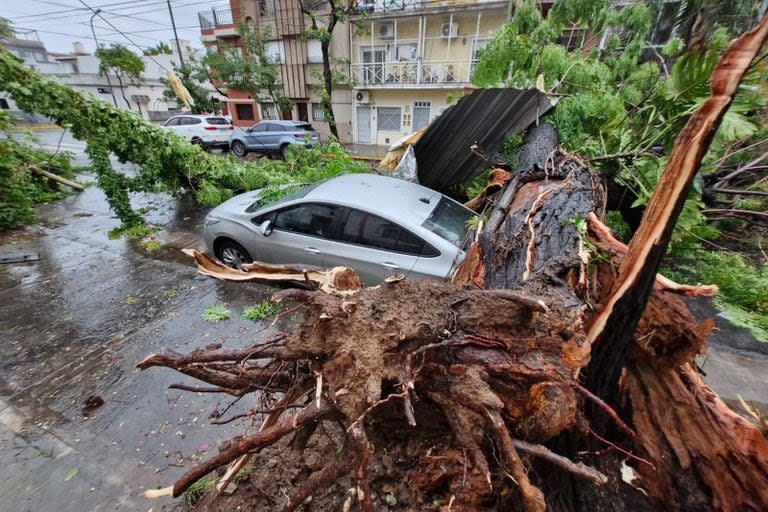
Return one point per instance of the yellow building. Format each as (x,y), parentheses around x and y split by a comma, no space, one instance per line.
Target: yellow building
(409,56)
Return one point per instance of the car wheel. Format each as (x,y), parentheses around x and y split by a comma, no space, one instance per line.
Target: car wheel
(282,151)
(232,254)
(238,148)
(198,142)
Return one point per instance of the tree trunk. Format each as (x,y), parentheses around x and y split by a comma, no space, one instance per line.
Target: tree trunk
(328,77)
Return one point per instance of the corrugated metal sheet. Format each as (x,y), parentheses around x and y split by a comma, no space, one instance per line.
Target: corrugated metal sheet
(485,117)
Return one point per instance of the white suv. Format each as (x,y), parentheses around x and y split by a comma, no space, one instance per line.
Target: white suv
(207,131)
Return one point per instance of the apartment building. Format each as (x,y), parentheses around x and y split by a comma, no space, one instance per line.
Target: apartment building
(300,62)
(80,70)
(409,57)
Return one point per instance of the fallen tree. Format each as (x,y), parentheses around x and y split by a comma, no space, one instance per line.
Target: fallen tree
(553,337)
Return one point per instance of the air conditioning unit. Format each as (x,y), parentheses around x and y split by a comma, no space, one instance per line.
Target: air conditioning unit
(387,31)
(363,97)
(449,29)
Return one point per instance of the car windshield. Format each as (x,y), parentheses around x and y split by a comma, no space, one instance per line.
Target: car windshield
(282,194)
(216,120)
(449,221)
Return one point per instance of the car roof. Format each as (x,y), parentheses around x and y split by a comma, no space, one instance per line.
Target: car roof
(398,200)
(283,122)
(199,116)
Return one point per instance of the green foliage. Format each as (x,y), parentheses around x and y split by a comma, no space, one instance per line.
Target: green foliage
(743,286)
(250,67)
(121,61)
(5,28)
(216,313)
(164,160)
(159,49)
(196,491)
(260,311)
(20,188)
(132,232)
(618,225)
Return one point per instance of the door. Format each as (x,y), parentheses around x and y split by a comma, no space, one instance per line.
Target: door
(301,233)
(373,64)
(373,246)
(421,114)
(364,125)
(303,113)
(256,137)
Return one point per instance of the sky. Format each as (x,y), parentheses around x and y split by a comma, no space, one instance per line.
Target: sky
(59,23)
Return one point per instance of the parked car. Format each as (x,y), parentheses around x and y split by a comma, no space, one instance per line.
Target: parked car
(375,224)
(272,137)
(206,130)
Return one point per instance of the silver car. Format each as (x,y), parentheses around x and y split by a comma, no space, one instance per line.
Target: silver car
(272,137)
(374,224)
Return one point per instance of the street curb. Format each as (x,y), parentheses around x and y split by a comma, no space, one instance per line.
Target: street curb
(367,158)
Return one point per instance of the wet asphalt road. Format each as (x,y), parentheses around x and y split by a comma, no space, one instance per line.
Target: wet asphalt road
(76,322)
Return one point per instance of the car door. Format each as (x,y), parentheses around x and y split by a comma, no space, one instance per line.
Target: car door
(373,246)
(173,124)
(276,133)
(254,137)
(300,233)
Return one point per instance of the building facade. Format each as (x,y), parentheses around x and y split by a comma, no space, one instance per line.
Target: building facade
(411,58)
(300,62)
(80,70)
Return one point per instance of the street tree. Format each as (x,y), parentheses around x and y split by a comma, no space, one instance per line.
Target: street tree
(123,63)
(325,16)
(159,49)
(249,68)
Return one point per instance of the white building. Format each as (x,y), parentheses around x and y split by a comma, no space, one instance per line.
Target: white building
(80,70)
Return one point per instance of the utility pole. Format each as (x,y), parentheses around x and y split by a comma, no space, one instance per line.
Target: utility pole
(106,71)
(175,35)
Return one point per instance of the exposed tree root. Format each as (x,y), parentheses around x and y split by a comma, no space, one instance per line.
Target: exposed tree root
(495,372)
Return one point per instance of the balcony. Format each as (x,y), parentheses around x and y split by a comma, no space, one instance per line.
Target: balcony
(420,74)
(216,17)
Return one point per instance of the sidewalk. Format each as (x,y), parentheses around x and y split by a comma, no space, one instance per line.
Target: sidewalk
(366,151)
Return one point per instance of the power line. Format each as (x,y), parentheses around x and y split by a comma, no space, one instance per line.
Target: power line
(82,10)
(123,34)
(121,6)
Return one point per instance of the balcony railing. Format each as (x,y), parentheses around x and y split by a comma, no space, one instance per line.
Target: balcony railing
(216,17)
(371,6)
(417,73)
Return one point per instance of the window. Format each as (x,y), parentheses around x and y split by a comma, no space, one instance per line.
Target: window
(388,119)
(261,127)
(269,111)
(449,221)
(314,52)
(308,219)
(173,121)
(276,52)
(478,45)
(216,120)
(406,52)
(318,112)
(190,121)
(274,127)
(245,111)
(365,229)
(422,110)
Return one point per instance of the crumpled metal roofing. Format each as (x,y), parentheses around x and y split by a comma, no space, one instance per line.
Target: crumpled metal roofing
(485,117)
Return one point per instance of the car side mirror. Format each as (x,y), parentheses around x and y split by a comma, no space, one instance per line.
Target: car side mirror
(266,228)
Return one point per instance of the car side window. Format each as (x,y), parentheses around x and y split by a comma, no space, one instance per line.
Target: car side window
(192,120)
(308,219)
(373,231)
(259,128)
(274,127)
(172,122)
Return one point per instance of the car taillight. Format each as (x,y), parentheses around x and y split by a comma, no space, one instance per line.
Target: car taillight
(211,128)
